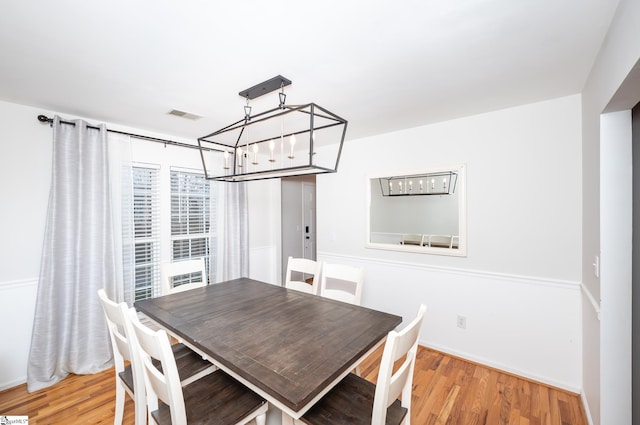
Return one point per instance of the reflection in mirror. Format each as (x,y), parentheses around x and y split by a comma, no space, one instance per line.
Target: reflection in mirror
(418,212)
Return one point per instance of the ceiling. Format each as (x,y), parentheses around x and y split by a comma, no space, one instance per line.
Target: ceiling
(382,65)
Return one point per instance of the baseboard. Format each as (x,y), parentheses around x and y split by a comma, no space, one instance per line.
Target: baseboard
(13,383)
(503,368)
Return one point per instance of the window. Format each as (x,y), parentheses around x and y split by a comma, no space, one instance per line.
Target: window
(144,208)
(188,205)
(190,218)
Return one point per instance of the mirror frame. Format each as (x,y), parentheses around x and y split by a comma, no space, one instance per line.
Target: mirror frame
(461,190)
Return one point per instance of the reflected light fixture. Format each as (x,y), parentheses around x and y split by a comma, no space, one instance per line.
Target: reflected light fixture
(439,183)
(288,140)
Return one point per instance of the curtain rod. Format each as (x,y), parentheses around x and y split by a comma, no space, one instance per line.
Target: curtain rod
(45,119)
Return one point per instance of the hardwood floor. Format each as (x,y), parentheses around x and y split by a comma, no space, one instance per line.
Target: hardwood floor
(447,390)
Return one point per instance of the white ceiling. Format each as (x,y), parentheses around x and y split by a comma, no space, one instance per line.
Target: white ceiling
(382,65)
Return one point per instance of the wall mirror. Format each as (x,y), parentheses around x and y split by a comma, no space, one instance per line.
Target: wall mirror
(422,211)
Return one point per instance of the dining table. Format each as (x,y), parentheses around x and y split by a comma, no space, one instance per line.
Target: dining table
(288,346)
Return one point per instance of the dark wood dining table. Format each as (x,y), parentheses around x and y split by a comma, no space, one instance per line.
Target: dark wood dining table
(287,346)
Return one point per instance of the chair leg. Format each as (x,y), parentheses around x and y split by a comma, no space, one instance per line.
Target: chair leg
(288,420)
(117,419)
(140,412)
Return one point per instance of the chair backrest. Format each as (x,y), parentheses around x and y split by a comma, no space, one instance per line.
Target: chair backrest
(411,239)
(342,283)
(122,342)
(115,321)
(178,276)
(306,268)
(390,385)
(162,383)
(441,241)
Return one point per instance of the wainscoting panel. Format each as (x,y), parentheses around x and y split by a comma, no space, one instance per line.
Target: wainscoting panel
(18,306)
(523,325)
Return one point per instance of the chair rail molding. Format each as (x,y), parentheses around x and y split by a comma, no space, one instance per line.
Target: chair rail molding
(18,283)
(529,280)
(594,304)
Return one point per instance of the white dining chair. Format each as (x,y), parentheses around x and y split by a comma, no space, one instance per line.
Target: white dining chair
(356,401)
(440,241)
(411,239)
(182,275)
(130,378)
(301,269)
(215,399)
(342,283)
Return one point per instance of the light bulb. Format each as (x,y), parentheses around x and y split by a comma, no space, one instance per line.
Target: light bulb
(292,141)
(272,145)
(255,154)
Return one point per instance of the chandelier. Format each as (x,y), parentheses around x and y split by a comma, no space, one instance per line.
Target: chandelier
(437,183)
(288,140)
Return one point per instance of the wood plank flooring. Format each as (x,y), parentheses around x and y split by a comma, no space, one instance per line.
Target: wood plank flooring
(447,390)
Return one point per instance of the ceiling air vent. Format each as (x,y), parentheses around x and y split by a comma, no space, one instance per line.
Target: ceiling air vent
(183,114)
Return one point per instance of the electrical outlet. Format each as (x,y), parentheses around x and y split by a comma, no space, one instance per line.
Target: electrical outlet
(462,322)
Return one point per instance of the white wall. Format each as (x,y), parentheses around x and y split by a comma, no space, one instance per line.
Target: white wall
(523,188)
(25,168)
(619,52)
(616,246)
(519,285)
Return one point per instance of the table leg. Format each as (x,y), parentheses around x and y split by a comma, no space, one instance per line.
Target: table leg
(287,420)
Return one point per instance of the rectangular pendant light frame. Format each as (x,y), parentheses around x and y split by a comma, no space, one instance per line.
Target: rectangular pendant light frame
(248,144)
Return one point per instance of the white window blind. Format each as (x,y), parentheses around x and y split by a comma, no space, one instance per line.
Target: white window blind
(146,234)
(190,218)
